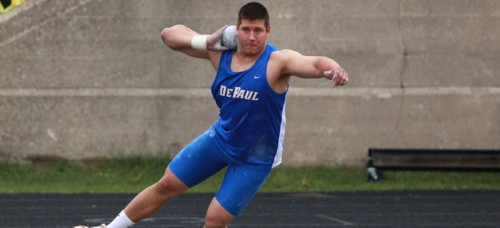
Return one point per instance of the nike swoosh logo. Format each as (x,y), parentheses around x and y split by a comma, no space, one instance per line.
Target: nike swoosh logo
(256,77)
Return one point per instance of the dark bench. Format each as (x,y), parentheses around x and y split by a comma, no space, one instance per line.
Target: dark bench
(380,159)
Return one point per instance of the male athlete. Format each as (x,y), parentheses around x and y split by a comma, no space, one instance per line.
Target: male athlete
(250,89)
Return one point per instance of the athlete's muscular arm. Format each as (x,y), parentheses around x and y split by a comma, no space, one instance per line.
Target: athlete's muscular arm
(293,63)
(178,38)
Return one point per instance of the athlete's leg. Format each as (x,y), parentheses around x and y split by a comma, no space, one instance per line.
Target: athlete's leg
(217,216)
(237,190)
(155,196)
(197,161)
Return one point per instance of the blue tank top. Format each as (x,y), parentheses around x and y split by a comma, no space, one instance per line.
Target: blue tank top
(251,123)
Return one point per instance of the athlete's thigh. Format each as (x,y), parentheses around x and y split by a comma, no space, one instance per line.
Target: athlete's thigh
(239,187)
(199,160)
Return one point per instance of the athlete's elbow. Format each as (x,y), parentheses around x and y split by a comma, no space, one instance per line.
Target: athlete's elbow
(168,37)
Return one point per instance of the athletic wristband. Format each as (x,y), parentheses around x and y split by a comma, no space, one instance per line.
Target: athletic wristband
(199,42)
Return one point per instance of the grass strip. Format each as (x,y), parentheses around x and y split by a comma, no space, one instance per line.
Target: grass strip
(131,175)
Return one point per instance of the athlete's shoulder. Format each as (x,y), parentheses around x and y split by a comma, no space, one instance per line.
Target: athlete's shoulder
(283,55)
(282,60)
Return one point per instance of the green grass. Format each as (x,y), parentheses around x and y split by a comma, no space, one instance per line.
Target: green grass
(134,174)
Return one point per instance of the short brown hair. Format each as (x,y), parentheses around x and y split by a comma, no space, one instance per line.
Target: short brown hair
(254,11)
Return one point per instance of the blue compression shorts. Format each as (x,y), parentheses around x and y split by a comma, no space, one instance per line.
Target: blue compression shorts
(202,158)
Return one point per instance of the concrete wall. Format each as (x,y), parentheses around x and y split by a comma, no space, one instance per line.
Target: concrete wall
(91,78)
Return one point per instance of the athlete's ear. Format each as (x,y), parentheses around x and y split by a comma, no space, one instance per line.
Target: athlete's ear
(268,29)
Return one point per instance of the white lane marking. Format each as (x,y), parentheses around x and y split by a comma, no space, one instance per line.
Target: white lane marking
(346,223)
(173,219)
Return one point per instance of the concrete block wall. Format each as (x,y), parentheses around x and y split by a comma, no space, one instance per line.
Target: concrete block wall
(91,78)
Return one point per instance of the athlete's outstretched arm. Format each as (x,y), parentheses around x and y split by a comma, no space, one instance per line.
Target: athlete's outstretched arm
(296,64)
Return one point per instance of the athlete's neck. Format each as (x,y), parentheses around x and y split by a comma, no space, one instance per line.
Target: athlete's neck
(242,61)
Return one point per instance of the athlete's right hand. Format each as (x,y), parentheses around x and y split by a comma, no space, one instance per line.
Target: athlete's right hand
(214,42)
(338,76)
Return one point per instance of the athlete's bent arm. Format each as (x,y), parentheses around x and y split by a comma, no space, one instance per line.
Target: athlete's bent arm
(178,38)
(183,39)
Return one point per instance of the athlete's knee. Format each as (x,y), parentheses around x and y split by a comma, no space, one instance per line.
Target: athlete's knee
(169,185)
(217,216)
(212,222)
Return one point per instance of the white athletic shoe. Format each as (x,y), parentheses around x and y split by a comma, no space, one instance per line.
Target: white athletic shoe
(101,226)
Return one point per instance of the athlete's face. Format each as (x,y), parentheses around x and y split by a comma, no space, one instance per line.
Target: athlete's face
(252,35)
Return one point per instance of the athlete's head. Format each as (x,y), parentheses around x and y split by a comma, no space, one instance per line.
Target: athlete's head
(253,11)
(253,28)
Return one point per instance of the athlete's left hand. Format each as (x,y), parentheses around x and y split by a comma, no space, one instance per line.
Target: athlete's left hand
(214,41)
(338,76)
